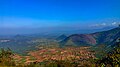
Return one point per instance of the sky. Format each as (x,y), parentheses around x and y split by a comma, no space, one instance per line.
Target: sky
(58,14)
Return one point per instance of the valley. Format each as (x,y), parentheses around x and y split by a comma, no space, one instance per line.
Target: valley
(71,54)
(76,49)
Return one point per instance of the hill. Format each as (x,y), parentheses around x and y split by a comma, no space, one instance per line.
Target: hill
(104,37)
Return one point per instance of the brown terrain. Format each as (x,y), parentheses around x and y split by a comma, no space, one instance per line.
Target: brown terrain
(48,54)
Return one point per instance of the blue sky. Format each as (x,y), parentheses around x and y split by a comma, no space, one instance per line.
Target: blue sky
(58,13)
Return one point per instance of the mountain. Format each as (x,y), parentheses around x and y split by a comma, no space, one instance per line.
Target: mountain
(107,37)
(79,39)
(103,37)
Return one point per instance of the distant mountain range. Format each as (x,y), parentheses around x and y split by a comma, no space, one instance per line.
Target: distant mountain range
(104,37)
(53,31)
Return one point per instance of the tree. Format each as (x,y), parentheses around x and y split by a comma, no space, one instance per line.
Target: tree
(113,58)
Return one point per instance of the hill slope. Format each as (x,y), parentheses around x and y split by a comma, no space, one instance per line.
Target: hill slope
(104,37)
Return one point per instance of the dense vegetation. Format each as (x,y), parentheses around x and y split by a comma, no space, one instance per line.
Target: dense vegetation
(112,59)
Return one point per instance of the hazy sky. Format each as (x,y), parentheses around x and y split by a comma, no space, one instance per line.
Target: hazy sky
(58,13)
